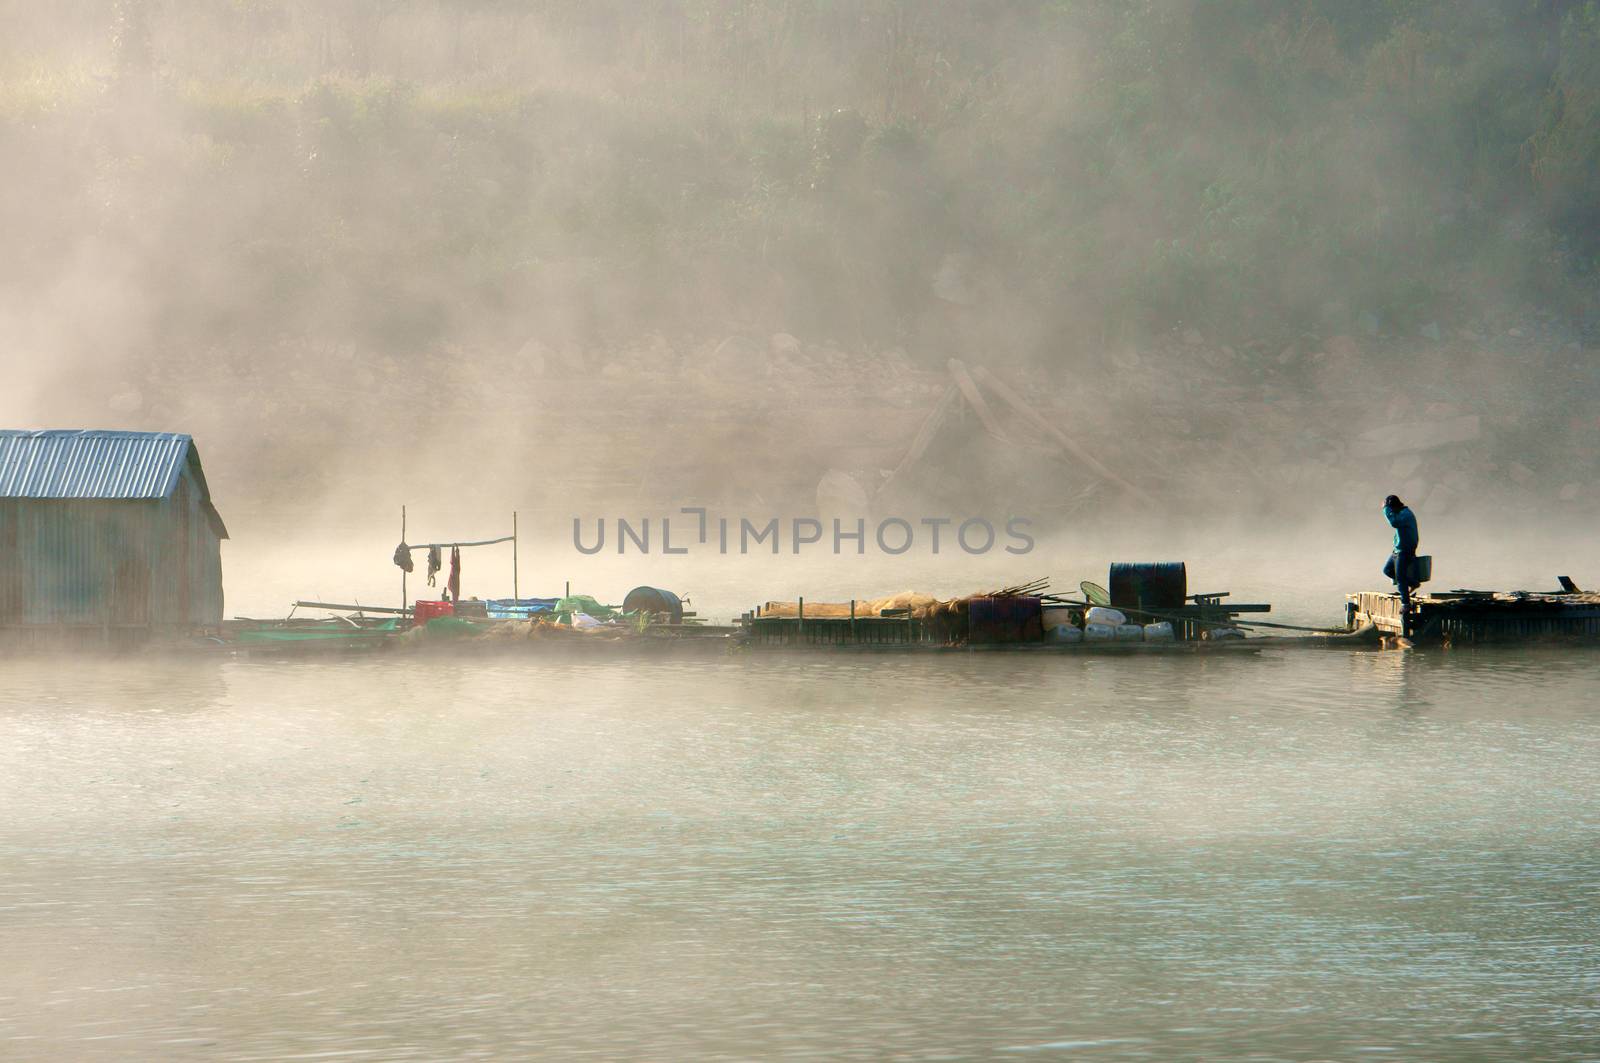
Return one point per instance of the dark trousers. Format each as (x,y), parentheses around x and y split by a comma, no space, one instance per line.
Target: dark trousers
(1399,568)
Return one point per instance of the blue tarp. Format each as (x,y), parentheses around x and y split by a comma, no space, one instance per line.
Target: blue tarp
(518,608)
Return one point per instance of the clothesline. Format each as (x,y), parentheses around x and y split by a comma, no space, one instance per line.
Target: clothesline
(483,542)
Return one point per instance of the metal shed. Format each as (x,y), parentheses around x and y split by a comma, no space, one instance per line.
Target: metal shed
(106,537)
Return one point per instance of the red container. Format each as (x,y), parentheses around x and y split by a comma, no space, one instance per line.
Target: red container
(423,612)
(1004,619)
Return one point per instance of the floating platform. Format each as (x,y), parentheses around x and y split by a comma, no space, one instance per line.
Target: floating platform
(1468,616)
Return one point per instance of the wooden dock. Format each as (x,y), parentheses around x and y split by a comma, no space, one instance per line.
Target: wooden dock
(1467,616)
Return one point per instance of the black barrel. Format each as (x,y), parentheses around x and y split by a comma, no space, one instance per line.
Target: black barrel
(1153,585)
(655,601)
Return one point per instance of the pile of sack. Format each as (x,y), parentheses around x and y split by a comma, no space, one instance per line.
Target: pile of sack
(1101,623)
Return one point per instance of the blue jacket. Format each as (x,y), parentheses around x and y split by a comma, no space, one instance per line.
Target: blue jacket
(1404,523)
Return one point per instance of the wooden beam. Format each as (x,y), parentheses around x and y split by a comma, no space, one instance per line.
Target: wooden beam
(975,399)
(1033,417)
(350,608)
(925,433)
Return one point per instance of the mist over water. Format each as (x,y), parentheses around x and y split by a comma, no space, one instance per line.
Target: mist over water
(1320,854)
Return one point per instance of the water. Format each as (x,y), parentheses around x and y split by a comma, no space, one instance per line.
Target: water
(1288,856)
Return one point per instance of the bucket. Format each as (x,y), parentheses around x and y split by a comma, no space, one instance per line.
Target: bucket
(1421,569)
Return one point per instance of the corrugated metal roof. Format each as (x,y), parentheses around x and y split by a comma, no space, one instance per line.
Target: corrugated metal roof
(91,464)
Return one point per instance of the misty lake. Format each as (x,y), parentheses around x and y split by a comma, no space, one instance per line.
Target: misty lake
(1282,856)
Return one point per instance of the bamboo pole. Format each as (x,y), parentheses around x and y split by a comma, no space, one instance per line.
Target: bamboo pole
(515,594)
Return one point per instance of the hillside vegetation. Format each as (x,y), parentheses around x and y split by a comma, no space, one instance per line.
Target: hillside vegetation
(1045,174)
(317,220)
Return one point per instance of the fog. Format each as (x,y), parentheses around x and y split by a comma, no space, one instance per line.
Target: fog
(600,259)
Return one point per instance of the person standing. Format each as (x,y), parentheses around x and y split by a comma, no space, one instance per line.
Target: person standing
(1402,562)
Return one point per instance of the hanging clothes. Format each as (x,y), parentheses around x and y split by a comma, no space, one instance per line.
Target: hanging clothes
(455,574)
(402,557)
(434,563)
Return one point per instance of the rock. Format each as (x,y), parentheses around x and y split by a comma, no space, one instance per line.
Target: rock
(1342,347)
(784,344)
(952,282)
(1399,408)
(1416,435)
(1441,499)
(840,494)
(1430,331)
(1520,473)
(1405,465)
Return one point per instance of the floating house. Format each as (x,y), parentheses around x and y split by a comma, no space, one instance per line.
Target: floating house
(106,538)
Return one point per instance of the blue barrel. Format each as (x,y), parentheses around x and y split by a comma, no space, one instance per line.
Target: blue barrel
(1155,585)
(655,602)
(1004,618)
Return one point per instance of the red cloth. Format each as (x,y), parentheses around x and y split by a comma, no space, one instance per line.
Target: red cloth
(454,582)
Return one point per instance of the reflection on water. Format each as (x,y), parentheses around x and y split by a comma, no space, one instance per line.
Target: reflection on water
(1284,856)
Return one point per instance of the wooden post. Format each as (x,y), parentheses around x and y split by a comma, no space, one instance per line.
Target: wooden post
(515,595)
(852,620)
(800,620)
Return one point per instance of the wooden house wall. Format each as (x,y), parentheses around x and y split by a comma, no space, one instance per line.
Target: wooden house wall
(110,563)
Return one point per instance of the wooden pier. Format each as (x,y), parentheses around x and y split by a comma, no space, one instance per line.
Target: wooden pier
(1467,616)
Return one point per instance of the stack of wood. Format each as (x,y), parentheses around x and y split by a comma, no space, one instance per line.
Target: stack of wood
(920,606)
